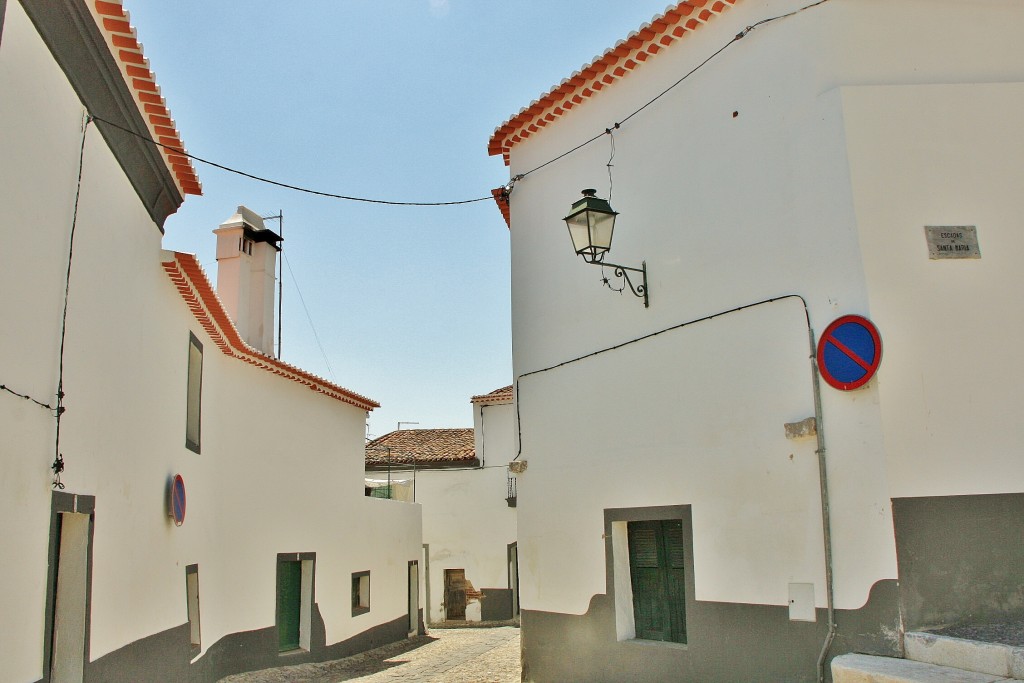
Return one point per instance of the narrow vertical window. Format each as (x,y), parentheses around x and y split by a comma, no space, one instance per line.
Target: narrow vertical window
(360,593)
(193,411)
(192,600)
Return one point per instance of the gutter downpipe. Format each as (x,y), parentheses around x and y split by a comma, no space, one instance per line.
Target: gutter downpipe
(826,523)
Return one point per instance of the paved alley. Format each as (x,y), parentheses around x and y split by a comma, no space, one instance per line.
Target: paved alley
(456,655)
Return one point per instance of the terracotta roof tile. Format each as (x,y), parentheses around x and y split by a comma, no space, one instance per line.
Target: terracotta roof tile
(605,69)
(426,446)
(190,280)
(502,395)
(124,45)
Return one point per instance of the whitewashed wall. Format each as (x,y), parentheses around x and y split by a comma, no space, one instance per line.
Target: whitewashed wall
(735,187)
(494,435)
(468,525)
(949,388)
(280,469)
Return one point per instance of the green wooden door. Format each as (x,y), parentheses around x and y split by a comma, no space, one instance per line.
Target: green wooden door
(656,566)
(289,600)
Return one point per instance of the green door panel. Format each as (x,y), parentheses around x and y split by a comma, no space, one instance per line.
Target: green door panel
(289,600)
(656,561)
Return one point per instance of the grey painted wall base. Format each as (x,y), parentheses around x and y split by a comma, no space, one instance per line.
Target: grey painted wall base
(961,558)
(727,643)
(165,657)
(496,604)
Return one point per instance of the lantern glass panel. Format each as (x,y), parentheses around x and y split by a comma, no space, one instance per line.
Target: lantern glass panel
(601,226)
(579,231)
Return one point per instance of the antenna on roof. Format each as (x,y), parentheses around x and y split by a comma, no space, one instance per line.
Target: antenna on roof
(280,269)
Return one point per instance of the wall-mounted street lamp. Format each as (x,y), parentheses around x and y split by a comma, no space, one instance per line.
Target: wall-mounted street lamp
(591,224)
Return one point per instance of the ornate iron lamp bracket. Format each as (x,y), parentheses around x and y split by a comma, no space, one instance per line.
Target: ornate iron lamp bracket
(639,290)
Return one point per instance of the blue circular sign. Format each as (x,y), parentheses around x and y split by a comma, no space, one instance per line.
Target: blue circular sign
(849,351)
(178,500)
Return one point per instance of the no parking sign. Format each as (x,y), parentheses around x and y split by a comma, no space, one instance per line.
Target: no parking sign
(849,351)
(177,500)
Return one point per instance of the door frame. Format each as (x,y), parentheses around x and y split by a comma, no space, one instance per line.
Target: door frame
(447,592)
(413,579)
(512,554)
(62,502)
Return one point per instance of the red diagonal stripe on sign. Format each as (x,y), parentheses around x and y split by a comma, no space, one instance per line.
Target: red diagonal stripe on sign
(831,339)
(179,500)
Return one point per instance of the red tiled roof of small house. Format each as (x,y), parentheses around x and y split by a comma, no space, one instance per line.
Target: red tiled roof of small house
(423,447)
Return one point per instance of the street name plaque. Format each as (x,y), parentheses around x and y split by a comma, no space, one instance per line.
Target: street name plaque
(952,241)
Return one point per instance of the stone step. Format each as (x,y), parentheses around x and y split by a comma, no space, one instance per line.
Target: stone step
(970,655)
(854,668)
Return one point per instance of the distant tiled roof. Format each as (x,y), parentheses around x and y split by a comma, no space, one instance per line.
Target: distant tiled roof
(190,280)
(650,39)
(503,395)
(422,446)
(124,45)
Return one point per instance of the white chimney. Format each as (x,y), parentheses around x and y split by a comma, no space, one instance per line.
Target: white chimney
(246,264)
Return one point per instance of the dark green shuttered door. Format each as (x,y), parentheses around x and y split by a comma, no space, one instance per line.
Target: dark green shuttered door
(289,598)
(656,570)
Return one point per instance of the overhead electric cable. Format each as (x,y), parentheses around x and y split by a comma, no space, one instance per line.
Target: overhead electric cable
(288,186)
(302,299)
(609,131)
(507,191)
(4,387)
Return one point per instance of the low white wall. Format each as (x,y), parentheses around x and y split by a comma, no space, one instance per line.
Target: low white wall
(468,525)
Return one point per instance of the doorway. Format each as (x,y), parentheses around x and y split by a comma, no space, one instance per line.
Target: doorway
(455,594)
(414,598)
(513,577)
(68,584)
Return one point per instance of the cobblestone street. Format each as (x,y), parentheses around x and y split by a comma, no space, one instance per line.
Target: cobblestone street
(451,655)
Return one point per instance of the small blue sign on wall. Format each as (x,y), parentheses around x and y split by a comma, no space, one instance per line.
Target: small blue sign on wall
(178,500)
(849,351)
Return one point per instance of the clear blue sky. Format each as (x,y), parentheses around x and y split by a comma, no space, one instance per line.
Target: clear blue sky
(388,99)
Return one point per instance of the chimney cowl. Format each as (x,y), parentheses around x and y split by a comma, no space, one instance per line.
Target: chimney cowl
(253,226)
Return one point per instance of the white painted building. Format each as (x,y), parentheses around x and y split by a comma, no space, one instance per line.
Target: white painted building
(776,165)
(279,558)
(460,478)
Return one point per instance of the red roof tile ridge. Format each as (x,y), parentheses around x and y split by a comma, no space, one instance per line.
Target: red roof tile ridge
(188,277)
(625,56)
(498,396)
(124,45)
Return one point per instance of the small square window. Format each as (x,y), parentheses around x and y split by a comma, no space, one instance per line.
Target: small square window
(193,408)
(360,593)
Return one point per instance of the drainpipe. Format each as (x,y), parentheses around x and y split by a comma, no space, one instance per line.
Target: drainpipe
(825,515)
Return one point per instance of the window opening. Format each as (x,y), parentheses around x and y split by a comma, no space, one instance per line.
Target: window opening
(192,598)
(657,577)
(193,410)
(360,593)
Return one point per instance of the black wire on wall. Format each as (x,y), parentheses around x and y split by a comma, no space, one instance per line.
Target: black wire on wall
(507,191)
